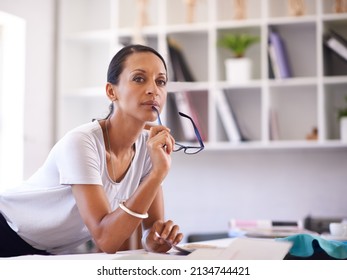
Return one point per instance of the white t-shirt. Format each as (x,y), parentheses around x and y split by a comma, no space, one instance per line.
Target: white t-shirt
(43,210)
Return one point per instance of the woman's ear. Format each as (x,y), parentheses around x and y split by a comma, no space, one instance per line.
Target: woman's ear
(111,92)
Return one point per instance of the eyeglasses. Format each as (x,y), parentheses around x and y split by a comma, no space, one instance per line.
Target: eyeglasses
(190,150)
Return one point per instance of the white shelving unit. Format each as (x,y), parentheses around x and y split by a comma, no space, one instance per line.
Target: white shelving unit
(91,31)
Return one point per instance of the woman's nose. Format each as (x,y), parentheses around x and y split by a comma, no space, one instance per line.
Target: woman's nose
(152,89)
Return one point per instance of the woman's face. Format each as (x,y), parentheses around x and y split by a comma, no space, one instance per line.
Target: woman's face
(142,85)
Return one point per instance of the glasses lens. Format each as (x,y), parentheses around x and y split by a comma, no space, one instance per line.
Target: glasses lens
(192,150)
(178,147)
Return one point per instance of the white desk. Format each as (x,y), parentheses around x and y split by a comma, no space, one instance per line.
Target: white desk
(227,248)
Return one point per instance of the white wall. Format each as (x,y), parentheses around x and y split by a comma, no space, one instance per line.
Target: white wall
(12,72)
(259,184)
(39,87)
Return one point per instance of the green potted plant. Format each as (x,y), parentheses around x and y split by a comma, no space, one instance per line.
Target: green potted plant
(239,67)
(342,117)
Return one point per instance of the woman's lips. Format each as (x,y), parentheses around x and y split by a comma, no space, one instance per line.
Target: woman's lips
(151,103)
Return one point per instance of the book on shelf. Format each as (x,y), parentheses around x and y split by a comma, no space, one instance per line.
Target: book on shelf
(274,127)
(227,117)
(273,63)
(180,68)
(337,43)
(279,56)
(271,74)
(183,104)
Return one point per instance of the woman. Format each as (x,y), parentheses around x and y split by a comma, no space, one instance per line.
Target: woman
(101,179)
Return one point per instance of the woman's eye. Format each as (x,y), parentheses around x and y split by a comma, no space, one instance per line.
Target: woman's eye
(161,82)
(139,79)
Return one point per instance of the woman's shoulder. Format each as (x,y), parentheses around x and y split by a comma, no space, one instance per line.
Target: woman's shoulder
(88,132)
(91,128)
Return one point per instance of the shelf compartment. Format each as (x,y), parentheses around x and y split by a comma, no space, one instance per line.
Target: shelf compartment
(176,12)
(329,8)
(294,111)
(130,19)
(281,8)
(226,8)
(335,95)
(333,64)
(197,103)
(194,48)
(253,52)
(245,104)
(300,43)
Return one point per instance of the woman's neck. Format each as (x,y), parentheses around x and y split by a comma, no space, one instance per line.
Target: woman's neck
(122,134)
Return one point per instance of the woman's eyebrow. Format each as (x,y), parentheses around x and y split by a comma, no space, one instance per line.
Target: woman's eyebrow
(144,71)
(138,70)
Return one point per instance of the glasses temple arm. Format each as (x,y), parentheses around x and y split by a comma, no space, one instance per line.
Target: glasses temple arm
(197,133)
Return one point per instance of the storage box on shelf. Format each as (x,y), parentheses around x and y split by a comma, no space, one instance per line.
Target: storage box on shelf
(91,32)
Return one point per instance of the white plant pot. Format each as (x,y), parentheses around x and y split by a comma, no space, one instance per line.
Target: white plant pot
(238,70)
(343,129)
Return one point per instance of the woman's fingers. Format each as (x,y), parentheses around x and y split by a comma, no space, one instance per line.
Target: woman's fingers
(160,137)
(168,231)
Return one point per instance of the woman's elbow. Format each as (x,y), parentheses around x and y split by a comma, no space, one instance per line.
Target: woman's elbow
(105,246)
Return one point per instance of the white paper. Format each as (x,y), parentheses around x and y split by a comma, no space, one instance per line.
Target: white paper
(246,249)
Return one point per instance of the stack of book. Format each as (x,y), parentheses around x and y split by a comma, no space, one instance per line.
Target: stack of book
(265,228)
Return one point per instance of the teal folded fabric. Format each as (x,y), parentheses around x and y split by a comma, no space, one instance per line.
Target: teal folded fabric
(305,245)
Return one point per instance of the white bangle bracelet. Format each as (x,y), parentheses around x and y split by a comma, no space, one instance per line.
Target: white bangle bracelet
(143,240)
(134,214)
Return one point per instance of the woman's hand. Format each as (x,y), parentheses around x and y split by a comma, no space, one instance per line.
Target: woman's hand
(160,145)
(168,233)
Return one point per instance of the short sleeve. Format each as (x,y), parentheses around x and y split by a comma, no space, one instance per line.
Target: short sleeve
(79,159)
